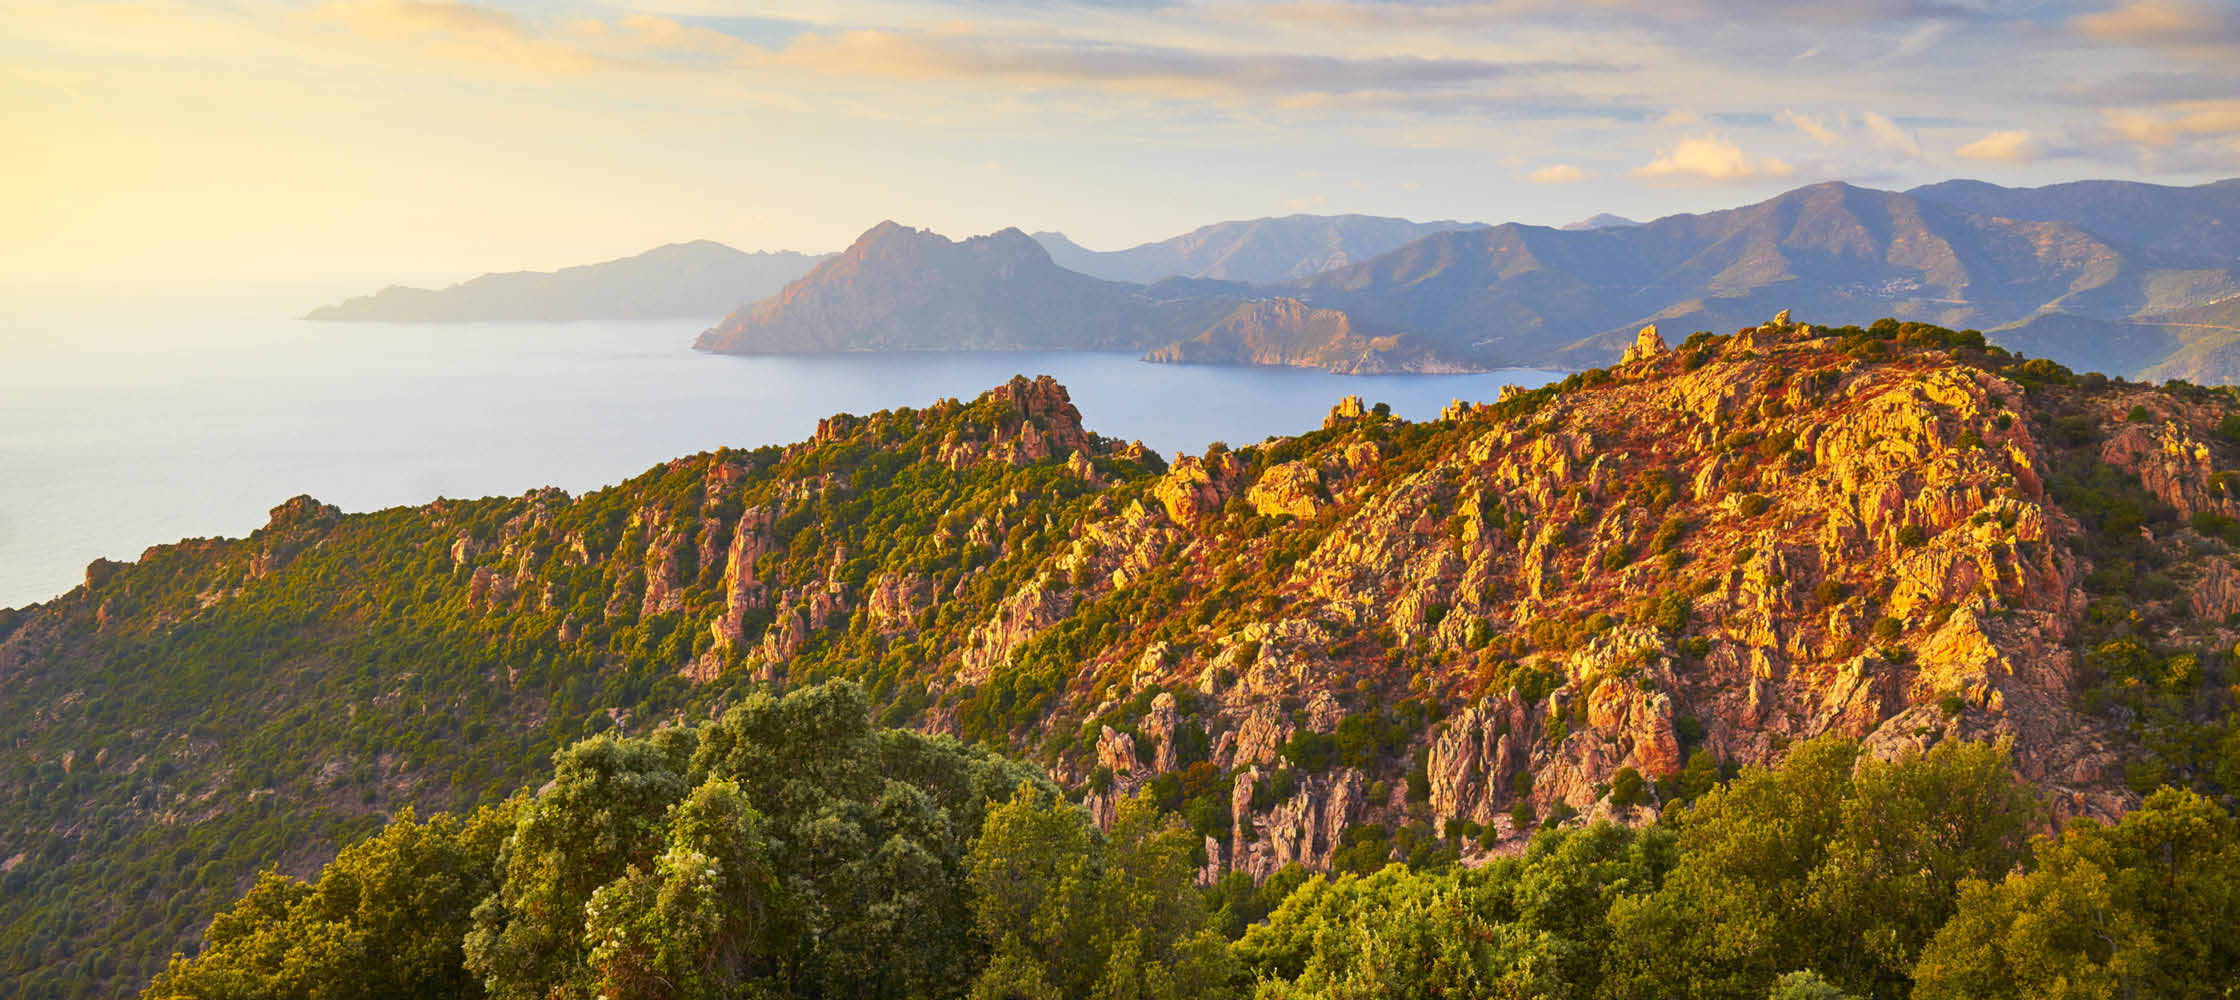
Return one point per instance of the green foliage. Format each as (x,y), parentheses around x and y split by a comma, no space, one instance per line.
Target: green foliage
(790,849)
(1806,986)
(2228,427)
(1072,913)
(1520,927)
(1833,862)
(2147,907)
(787,849)
(1627,788)
(384,919)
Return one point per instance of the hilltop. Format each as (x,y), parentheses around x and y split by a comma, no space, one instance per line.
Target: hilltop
(1371,639)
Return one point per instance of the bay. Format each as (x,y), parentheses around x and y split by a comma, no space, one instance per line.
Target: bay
(122,428)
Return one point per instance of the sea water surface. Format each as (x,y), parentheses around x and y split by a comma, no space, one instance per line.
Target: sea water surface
(122,428)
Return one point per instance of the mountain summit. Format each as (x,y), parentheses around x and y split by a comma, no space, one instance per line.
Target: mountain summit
(904,289)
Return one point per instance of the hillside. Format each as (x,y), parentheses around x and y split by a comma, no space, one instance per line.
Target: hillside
(903,289)
(700,278)
(1589,600)
(2202,221)
(2208,339)
(1290,333)
(1253,251)
(1516,294)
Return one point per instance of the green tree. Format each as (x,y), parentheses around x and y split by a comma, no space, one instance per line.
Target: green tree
(699,922)
(1073,913)
(602,815)
(2147,907)
(1831,862)
(1805,985)
(1530,926)
(384,919)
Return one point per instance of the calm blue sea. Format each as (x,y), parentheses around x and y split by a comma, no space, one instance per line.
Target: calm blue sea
(126,426)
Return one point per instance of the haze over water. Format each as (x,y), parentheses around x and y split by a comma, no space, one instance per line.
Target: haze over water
(125,427)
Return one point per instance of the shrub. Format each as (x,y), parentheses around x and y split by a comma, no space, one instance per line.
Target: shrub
(1627,789)
(2229,427)
(1887,630)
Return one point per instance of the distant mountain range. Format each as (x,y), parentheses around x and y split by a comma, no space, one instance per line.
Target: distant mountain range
(2120,277)
(1255,251)
(1515,294)
(700,278)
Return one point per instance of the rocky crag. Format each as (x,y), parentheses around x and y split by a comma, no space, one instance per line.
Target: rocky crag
(1289,333)
(1371,639)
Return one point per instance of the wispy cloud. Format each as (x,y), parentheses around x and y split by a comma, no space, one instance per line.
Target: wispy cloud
(2183,121)
(1890,135)
(468,33)
(1059,63)
(954,52)
(2205,29)
(1810,126)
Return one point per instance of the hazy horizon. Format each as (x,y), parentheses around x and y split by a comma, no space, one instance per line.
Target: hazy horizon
(426,142)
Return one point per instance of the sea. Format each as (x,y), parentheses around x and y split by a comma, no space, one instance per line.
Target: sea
(125,424)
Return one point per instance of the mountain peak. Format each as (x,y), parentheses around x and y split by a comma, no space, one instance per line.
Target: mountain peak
(1601,220)
(890,231)
(904,289)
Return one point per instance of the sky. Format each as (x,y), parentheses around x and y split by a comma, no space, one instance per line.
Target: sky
(198,141)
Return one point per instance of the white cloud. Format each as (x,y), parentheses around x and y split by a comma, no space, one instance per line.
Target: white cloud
(2007,146)
(1709,158)
(1556,173)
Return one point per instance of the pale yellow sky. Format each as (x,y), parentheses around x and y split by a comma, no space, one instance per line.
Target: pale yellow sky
(220,140)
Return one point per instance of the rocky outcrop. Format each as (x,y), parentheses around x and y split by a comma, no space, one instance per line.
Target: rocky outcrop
(742,590)
(1647,345)
(1286,332)
(1292,489)
(2172,464)
(1194,488)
